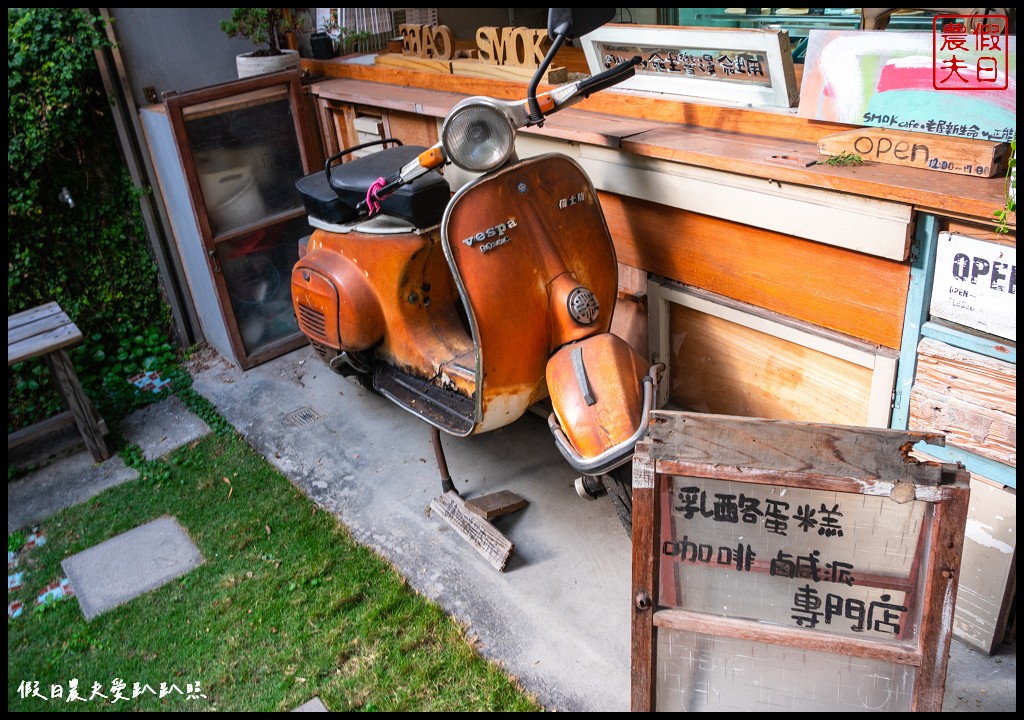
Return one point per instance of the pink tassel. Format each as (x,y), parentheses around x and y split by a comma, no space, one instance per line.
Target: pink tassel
(372,198)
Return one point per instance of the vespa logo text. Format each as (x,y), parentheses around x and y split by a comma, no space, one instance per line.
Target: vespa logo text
(492,237)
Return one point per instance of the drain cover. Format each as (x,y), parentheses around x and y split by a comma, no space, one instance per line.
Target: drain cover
(303,416)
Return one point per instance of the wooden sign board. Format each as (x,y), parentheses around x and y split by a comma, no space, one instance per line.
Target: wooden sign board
(746,66)
(783,566)
(508,53)
(887,79)
(960,156)
(976,284)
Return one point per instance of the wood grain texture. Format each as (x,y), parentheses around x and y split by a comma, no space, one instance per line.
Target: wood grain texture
(947,370)
(723,368)
(852,293)
(980,430)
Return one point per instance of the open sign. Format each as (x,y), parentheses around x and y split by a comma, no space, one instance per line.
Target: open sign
(976,284)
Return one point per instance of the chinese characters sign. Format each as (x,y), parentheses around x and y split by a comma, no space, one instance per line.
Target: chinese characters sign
(971,52)
(722,65)
(819,560)
(752,67)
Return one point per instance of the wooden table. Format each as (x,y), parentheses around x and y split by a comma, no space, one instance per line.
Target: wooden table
(47,332)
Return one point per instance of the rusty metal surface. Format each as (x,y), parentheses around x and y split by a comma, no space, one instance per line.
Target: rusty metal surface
(614,373)
(520,242)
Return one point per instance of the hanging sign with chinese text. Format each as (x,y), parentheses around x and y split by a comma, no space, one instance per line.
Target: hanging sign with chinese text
(743,65)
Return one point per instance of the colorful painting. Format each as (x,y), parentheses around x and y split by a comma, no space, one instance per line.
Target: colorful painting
(897,80)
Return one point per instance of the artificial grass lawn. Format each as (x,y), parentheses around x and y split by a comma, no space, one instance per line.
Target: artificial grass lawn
(286,607)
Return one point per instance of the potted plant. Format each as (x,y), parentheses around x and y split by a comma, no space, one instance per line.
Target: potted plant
(332,38)
(266,28)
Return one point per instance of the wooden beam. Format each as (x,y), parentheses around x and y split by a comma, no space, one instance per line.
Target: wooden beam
(479,533)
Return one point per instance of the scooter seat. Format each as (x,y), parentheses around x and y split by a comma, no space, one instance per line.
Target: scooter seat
(421,202)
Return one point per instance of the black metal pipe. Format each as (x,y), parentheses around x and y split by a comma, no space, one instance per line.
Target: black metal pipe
(442,464)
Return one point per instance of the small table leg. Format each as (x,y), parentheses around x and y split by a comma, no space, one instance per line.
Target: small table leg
(90,424)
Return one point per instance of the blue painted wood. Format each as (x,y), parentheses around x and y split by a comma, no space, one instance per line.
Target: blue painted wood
(922,276)
(995,471)
(982,345)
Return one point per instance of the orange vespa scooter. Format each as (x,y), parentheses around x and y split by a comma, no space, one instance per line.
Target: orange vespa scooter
(468,310)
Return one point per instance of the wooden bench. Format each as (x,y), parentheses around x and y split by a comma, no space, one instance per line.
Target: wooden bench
(46,331)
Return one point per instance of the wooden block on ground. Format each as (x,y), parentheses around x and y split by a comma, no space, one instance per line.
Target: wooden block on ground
(495,504)
(478,532)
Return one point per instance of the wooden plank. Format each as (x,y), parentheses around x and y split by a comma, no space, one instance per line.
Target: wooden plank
(852,293)
(36,345)
(32,315)
(495,504)
(947,370)
(416,64)
(479,533)
(982,431)
(869,225)
(479,69)
(26,434)
(962,156)
(643,640)
(813,640)
(90,426)
(720,367)
(939,596)
(794,449)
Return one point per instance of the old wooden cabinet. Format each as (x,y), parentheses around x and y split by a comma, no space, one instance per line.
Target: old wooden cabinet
(227,158)
(770,285)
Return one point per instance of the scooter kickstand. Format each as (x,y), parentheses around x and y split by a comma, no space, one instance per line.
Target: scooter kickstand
(442,465)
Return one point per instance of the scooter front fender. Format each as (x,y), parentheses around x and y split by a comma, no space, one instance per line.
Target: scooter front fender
(602,392)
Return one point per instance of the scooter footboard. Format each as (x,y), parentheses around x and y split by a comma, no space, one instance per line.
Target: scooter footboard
(602,392)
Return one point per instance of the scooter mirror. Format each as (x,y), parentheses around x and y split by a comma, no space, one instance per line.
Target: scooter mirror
(574,22)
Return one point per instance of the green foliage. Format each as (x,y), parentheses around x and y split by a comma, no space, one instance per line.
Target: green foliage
(263,27)
(843,159)
(90,254)
(15,541)
(1003,216)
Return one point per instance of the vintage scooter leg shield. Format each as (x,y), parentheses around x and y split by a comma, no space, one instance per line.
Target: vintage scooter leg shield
(532,256)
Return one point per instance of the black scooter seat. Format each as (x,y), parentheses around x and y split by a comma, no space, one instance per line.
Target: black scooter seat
(421,202)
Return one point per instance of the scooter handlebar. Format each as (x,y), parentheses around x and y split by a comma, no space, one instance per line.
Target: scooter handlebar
(613,76)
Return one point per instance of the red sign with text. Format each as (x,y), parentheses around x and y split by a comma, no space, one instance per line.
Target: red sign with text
(970,52)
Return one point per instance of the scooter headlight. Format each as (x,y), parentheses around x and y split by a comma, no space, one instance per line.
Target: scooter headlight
(478,136)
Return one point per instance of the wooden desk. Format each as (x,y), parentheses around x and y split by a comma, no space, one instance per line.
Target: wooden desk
(47,332)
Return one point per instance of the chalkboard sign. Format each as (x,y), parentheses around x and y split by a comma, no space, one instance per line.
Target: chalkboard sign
(782,566)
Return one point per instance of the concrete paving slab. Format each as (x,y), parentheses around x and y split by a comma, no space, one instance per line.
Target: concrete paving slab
(130,564)
(66,481)
(314,705)
(163,427)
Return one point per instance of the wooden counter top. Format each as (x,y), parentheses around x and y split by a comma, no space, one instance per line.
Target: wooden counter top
(768,143)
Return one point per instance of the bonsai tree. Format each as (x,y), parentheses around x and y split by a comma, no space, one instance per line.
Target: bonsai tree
(264,27)
(343,36)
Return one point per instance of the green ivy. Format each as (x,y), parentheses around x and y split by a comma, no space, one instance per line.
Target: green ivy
(88,254)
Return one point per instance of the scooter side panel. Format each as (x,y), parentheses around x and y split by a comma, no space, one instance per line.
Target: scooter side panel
(519,241)
(597,395)
(396,289)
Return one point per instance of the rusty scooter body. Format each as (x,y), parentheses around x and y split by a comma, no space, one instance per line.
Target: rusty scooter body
(469,309)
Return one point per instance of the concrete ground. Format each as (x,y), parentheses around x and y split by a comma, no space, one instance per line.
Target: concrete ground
(557,617)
